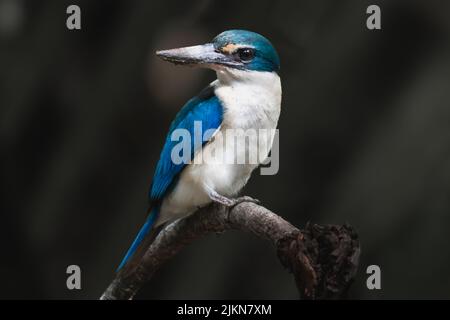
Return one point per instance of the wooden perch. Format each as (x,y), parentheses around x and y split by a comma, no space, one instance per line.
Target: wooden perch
(323,259)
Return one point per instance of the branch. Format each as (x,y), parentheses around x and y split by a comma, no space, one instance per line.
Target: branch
(323,259)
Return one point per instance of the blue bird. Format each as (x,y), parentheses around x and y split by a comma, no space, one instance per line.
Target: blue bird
(246,96)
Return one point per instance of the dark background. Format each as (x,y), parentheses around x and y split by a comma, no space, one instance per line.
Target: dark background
(364,139)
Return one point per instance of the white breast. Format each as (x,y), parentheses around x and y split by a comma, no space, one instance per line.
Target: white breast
(251,100)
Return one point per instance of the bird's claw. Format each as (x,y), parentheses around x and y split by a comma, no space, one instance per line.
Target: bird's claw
(227,202)
(230,203)
(242,199)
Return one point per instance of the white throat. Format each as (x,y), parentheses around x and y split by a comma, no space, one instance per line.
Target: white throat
(251,99)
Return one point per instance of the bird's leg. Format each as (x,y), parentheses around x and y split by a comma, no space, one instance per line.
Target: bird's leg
(218,198)
(245,199)
(227,202)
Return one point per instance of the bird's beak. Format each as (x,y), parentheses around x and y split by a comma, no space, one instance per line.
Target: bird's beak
(203,55)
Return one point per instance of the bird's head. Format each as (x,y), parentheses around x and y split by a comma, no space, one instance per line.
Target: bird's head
(234,49)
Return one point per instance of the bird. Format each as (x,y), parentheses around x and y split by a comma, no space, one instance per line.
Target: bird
(245,96)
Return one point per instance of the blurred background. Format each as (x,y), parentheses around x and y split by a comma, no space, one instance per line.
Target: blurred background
(364,139)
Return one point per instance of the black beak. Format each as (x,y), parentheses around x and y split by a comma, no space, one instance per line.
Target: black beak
(203,55)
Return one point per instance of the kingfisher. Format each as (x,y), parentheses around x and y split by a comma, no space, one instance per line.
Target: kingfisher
(246,95)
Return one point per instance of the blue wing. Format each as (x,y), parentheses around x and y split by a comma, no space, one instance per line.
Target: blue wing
(207,110)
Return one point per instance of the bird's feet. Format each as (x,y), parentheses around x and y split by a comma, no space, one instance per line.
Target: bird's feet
(245,199)
(230,203)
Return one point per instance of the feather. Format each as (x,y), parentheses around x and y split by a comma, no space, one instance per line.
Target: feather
(204,108)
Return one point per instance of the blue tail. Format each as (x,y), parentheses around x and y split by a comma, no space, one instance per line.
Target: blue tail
(141,235)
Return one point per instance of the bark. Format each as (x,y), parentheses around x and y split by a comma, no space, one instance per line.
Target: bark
(323,259)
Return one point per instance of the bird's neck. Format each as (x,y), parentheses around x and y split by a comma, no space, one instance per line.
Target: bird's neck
(229,76)
(249,97)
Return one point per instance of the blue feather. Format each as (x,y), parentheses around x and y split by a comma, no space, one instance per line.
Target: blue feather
(141,235)
(205,108)
(266,57)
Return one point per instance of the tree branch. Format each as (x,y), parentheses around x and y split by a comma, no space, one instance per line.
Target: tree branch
(323,259)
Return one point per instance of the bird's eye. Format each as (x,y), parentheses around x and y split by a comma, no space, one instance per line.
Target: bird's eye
(246,54)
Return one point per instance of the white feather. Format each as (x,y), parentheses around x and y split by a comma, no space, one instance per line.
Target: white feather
(251,100)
